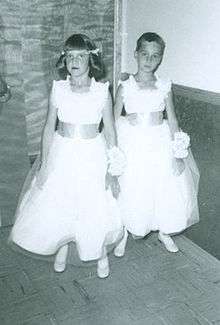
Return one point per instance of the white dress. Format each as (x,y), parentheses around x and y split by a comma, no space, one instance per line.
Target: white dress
(152,198)
(73,204)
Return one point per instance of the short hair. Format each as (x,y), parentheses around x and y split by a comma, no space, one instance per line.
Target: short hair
(150,37)
(82,42)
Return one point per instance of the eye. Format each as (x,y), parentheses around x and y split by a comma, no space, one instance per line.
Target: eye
(156,56)
(69,56)
(83,56)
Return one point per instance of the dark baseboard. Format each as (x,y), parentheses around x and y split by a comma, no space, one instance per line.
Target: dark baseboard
(197,94)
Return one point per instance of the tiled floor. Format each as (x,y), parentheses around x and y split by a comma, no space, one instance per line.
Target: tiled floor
(148,286)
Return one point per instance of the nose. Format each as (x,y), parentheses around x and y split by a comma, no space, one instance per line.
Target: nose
(75,60)
(148,59)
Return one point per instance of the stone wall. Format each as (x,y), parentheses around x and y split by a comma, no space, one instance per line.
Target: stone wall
(13,142)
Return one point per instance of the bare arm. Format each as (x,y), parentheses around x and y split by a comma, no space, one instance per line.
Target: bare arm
(172,120)
(109,127)
(178,164)
(48,131)
(118,103)
(111,141)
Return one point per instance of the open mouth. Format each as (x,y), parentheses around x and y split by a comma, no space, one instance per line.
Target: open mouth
(75,68)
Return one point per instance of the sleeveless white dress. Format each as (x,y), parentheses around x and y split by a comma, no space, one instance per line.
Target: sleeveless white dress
(152,198)
(73,204)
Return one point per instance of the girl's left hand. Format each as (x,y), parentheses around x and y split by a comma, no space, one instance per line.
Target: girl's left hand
(112,181)
(178,166)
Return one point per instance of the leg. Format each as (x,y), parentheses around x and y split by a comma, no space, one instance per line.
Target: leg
(103,266)
(119,250)
(168,242)
(60,260)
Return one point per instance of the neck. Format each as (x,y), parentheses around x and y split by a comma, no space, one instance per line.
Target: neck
(80,81)
(145,76)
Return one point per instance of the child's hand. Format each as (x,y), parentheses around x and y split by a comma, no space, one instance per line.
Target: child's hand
(41,176)
(132,118)
(178,166)
(112,181)
(124,76)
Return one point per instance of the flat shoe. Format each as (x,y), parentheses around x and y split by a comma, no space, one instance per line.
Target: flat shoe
(59,267)
(168,243)
(103,268)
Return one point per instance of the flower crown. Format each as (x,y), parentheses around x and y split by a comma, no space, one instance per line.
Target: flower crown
(95,51)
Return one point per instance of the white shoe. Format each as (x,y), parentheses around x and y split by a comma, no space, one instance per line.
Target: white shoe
(119,250)
(135,237)
(59,267)
(103,268)
(60,260)
(168,243)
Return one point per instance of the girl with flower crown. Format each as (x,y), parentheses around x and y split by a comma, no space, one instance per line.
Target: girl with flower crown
(72,195)
(160,183)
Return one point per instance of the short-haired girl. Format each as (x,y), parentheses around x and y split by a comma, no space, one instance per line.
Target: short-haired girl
(160,182)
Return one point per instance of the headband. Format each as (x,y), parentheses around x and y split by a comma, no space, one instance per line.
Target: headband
(95,51)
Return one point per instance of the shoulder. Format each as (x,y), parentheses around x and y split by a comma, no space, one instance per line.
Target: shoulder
(164,84)
(100,88)
(125,79)
(58,86)
(101,84)
(59,83)
(56,92)
(126,87)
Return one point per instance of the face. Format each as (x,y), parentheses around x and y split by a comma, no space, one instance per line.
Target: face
(149,56)
(77,62)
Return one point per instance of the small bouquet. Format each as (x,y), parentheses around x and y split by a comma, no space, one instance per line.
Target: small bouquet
(116,161)
(180,144)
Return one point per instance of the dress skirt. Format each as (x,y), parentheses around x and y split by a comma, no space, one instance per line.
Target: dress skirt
(152,197)
(72,205)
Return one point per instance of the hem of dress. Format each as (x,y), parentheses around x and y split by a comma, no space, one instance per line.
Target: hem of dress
(31,252)
(160,229)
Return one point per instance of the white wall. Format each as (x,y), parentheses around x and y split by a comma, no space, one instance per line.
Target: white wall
(191,30)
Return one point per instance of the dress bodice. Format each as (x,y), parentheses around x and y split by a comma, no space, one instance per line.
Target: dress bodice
(138,100)
(79,108)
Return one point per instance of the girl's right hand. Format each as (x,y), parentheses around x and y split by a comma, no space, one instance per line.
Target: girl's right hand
(178,166)
(132,118)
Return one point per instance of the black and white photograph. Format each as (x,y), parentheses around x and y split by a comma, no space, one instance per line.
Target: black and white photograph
(109,162)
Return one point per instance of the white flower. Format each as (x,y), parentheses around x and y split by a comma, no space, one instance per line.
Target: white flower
(96,51)
(180,144)
(182,138)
